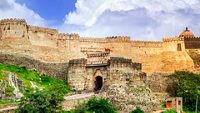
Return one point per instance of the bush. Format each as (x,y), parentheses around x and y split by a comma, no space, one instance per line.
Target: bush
(187,85)
(137,110)
(39,102)
(101,105)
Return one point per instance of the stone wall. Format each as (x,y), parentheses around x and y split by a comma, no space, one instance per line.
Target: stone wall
(13,27)
(50,46)
(42,36)
(58,70)
(82,76)
(192,42)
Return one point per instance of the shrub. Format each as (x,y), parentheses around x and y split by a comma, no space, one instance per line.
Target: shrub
(101,105)
(39,102)
(187,85)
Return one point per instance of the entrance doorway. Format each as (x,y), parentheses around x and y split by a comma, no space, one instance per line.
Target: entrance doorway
(179,47)
(98,83)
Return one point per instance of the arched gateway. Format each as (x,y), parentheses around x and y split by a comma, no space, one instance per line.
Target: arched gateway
(98,80)
(98,83)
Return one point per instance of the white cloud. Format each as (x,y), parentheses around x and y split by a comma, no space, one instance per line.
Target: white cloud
(141,19)
(12,9)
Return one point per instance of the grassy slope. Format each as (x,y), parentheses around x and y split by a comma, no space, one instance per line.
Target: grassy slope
(43,82)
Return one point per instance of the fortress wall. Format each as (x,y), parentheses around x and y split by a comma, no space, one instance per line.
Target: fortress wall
(147,53)
(13,28)
(116,45)
(58,70)
(43,36)
(77,77)
(0,30)
(172,43)
(192,42)
(146,47)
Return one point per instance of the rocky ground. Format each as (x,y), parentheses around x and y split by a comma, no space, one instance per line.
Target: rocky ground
(127,98)
(9,87)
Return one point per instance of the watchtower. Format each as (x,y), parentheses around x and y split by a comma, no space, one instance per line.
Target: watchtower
(13,28)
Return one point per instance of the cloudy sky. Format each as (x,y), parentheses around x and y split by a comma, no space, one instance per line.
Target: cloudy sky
(140,19)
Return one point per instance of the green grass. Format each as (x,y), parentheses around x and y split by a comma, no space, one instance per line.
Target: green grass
(43,82)
(7,102)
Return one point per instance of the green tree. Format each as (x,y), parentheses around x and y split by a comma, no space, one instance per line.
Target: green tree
(137,110)
(95,105)
(187,85)
(39,102)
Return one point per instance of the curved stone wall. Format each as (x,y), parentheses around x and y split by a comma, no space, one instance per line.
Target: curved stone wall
(58,70)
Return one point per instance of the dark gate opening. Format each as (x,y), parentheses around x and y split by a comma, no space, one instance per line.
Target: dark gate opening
(98,83)
(179,47)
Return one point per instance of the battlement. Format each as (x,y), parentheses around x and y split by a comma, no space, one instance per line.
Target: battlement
(13,21)
(36,29)
(142,43)
(119,38)
(170,39)
(191,38)
(69,36)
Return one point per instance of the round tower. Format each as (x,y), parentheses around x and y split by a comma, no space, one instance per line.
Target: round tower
(13,28)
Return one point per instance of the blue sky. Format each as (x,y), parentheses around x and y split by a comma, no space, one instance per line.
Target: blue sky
(53,10)
(140,19)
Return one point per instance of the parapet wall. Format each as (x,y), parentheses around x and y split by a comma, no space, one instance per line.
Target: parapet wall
(13,21)
(153,44)
(69,36)
(36,29)
(119,38)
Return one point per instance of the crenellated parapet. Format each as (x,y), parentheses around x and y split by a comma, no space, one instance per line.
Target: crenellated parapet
(171,39)
(119,38)
(13,21)
(142,43)
(191,38)
(36,29)
(69,36)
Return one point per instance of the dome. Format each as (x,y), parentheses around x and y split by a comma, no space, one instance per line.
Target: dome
(186,33)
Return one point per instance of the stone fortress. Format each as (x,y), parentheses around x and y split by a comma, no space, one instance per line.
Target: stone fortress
(87,62)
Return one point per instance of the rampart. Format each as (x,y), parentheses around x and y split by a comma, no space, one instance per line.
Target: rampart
(51,46)
(36,29)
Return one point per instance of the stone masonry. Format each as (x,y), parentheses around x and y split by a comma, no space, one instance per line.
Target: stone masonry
(87,62)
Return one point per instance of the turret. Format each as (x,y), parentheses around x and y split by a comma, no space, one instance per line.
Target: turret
(13,28)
